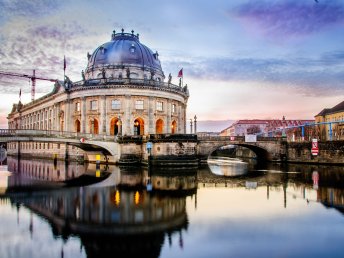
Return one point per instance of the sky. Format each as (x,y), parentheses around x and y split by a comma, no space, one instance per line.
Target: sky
(241,59)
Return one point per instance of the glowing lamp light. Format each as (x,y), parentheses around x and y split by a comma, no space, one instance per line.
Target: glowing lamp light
(117,198)
(137,198)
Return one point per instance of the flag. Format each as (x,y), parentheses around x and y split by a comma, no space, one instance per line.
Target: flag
(180,73)
(20,93)
(64,63)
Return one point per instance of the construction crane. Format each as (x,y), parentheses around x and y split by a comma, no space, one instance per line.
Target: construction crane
(32,77)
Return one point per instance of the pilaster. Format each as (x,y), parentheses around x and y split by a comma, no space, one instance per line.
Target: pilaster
(83,115)
(103,115)
(151,127)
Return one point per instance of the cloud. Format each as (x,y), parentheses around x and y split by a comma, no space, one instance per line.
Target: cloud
(307,76)
(290,18)
(61,32)
(42,47)
(31,9)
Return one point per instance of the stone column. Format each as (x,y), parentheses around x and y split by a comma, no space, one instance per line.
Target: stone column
(67,117)
(103,115)
(126,119)
(168,117)
(57,116)
(183,128)
(83,115)
(180,120)
(151,127)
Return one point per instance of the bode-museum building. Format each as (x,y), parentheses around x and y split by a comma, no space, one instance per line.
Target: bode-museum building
(123,91)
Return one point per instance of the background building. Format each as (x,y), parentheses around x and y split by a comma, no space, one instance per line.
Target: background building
(268,128)
(334,114)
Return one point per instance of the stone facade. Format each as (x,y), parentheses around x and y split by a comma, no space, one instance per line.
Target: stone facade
(122,93)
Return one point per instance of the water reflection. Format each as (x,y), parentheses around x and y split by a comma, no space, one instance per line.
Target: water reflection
(119,219)
(227,166)
(111,221)
(185,213)
(35,174)
(316,183)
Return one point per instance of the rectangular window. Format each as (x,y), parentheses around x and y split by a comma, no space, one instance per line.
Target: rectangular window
(139,104)
(94,105)
(77,106)
(159,106)
(116,104)
(173,108)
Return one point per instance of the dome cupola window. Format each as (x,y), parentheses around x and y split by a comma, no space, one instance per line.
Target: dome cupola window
(102,50)
(132,48)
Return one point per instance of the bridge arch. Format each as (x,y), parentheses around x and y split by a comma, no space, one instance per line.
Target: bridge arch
(262,153)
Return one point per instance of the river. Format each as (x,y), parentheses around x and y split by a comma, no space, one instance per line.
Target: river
(222,210)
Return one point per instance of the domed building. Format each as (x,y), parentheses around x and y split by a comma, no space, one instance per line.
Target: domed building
(122,92)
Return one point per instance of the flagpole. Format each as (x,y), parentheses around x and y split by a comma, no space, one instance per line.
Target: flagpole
(182,77)
(64,70)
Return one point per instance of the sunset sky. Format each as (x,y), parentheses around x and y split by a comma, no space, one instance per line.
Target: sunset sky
(241,59)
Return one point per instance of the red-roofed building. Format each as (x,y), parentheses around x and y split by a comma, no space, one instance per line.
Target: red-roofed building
(268,127)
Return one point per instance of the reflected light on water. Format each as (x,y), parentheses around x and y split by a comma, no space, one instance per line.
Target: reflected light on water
(227,166)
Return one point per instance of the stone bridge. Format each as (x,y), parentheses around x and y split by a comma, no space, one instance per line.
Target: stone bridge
(265,148)
(92,144)
(177,149)
(174,149)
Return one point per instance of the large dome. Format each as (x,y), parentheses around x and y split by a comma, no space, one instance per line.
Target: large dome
(122,52)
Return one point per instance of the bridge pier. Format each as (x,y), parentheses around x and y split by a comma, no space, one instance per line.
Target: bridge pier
(66,152)
(167,150)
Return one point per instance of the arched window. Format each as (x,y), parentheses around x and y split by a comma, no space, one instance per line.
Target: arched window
(77,126)
(115,126)
(94,126)
(159,126)
(174,127)
(139,126)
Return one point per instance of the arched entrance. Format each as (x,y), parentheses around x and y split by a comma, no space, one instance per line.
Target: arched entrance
(174,127)
(159,126)
(139,127)
(77,126)
(115,125)
(94,126)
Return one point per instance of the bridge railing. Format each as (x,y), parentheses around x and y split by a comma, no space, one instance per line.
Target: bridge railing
(220,138)
(54,134)
(236,138)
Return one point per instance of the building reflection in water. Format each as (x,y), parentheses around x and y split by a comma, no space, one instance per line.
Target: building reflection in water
(120,217)
(312,183)
(123,219)
(38,174)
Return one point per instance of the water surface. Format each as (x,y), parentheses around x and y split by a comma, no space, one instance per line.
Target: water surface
(288,211)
